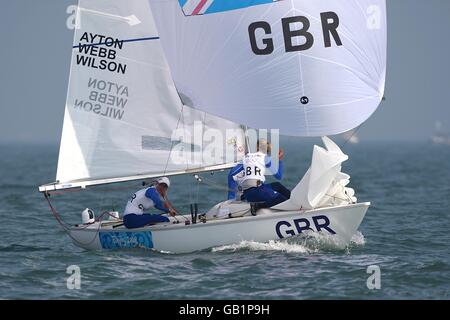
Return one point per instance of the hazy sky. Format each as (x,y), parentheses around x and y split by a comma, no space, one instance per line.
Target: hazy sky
(36,48)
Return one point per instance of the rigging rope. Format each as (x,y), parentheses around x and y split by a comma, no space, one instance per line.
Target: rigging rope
(357,129)
(353,134)
(67,227)
(211,184)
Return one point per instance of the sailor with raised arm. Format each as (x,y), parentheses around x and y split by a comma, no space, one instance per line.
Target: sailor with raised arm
(137,214)
(252,179)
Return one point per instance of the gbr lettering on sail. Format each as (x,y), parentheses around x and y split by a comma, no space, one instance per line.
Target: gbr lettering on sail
(330,24)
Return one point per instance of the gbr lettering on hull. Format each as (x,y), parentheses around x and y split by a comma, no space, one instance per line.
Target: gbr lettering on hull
(285,229)
(330,24)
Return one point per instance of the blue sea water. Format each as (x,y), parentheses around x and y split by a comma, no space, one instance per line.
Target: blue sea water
(405,233)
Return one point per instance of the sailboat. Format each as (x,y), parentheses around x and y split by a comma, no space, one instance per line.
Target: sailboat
(154,85)
(440,136)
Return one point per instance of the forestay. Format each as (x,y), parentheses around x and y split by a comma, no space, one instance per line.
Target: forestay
(306,67)
(123,109)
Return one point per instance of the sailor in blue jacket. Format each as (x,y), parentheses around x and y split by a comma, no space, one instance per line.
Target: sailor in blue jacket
(250,175)
(136,214)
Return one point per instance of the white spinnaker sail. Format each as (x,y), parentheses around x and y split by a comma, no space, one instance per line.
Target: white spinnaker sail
(122,106)
(306,67)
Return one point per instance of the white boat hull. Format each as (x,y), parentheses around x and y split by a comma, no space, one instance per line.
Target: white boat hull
(337,224)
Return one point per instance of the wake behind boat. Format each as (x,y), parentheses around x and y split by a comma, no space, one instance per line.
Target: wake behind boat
(158,89)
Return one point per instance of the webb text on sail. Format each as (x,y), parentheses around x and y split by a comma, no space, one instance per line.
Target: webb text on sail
(100,52)
(106,99)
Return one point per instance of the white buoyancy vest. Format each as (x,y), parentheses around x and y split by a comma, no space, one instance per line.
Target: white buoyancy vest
(139,203)
(254,167)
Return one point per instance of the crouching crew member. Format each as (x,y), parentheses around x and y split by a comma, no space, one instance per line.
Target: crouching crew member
(137,214)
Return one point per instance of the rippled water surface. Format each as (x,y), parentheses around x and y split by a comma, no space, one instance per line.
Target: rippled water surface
(405,233)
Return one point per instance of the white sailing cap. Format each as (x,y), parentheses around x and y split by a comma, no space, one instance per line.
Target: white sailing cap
(164,180)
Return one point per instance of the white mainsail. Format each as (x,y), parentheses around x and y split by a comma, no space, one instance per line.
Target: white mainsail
(123,109)
(306,67)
